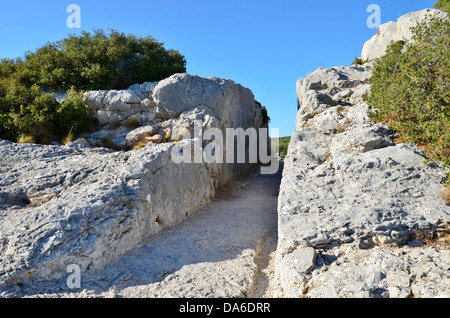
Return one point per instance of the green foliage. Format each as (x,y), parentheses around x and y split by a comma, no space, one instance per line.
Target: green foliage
(72,115)
(411,88)
(283,143)
(443,5)
(359,61)
(32,112)
(101,61)
(85,62)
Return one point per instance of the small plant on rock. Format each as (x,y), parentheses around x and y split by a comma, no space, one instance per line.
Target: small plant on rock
(359,61)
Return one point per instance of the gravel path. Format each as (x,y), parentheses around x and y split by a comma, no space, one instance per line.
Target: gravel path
(226,249)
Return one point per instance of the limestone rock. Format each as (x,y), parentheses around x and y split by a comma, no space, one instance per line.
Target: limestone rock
(304,258)
(138,134)
(109,138)
(356,198)
(347,272)
(87,205)
(395,31)
(119,106)
(98,205)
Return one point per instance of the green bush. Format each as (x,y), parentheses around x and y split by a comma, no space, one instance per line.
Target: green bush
(101,61)
(283,143)
(411,88)
(359,61)
(31,112)
(443,5)
(77,63)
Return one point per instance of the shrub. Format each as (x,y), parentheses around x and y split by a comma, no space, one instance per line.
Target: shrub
(265,116)
(72,115)
(443,5)
(132,123)
(101,61)
(359,61)
(283,143)
(264,113)
(411,88)
(32,112)
(77,63)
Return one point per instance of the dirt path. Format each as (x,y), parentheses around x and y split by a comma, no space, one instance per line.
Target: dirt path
(224,250)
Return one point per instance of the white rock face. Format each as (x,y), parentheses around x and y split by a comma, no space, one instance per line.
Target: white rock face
(395,31)
(154,102)
(88,206)
(365,205)
(119,106)
(84,205)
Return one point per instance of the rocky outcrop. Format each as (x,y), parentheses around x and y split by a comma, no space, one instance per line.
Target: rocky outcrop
(359,215)
(134,103)
(87,205)
(395,31)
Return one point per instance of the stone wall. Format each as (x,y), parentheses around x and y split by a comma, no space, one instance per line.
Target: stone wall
(86,205)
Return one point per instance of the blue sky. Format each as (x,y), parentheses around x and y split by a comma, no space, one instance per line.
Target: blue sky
(265,45)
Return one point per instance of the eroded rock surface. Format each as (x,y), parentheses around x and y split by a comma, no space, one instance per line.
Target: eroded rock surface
(359,216)
(87,205)
(395,31)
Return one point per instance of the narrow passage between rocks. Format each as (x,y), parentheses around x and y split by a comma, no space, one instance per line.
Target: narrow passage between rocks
(226,249)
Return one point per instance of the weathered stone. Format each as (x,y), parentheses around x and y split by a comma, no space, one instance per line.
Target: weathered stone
(395,31)
(305,259)
(119,106)
(89,205)
(347,271)
(364,138)
(138,134)
(349,191)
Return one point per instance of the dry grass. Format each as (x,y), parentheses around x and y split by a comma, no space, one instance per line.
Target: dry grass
(445,194)
(68,138)
(132,123)
(108,142)
(26,140)
(139,145)
(401,140)
(38,199)
(327,157)
(434,238)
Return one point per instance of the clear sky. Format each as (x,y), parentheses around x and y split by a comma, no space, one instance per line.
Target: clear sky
(265,45)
